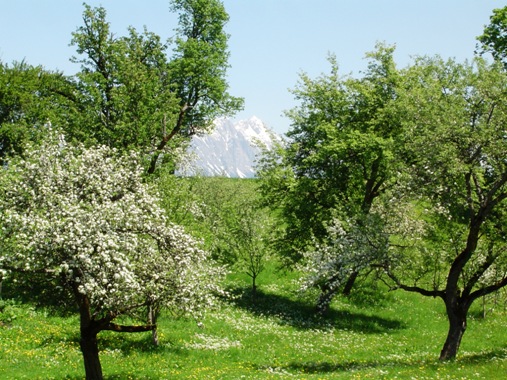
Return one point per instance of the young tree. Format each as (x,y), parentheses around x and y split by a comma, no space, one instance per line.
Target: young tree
(84,218)
(455,116)
(226,214)
(248,232)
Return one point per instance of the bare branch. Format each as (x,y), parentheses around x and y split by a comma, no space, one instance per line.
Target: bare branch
(414,289)
(129,329)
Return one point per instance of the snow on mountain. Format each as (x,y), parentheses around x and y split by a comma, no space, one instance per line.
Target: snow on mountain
(230,150)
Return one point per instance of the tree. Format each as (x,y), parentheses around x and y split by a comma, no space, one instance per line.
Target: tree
(84,218)
(123,88)
(198,70)
(341,154)
(133,96)
(494,38)
(329,264)
(226,214)
(29,97)
(247,233)
(455,116)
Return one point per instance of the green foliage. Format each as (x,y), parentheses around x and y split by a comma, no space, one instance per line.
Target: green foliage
(124,90)
(200,62)
(129,94)
(431,138)
(198,71)
(29,98)
(454,129)
(457,142)
(341,152)
(494,38)
(7,311)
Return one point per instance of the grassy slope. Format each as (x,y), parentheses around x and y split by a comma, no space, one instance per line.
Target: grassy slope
(372,335)
(375,335)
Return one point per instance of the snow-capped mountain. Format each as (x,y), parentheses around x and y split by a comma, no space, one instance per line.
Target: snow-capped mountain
(230,150)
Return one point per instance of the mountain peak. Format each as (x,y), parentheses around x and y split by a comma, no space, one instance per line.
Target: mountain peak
(230,150)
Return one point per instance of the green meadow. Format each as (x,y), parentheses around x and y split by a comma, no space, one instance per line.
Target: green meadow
(373,334)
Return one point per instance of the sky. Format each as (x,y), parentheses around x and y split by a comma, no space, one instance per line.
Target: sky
(271,41)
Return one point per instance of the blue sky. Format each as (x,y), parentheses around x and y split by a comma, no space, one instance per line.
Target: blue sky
(272,41)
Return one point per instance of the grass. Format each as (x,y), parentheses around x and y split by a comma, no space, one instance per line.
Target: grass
(274,335)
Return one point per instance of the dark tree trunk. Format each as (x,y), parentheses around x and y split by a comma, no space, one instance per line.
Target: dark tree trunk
(350,283)
(457,317)
(254,286)
(89,330)
(167,137)
(90,350)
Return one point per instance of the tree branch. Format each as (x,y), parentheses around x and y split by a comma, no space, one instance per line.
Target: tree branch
(478,189)
(168,137)
(468,185)
(478,273)
(488,289)
(413,289)
(496,186)
(129,329)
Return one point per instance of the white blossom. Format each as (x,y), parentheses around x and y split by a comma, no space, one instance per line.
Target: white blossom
(343,252)
(87,214)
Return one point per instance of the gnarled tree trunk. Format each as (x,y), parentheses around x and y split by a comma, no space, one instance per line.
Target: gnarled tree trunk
(457,317)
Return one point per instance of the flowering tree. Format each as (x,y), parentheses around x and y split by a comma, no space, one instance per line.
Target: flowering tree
(85,217)
(346,250)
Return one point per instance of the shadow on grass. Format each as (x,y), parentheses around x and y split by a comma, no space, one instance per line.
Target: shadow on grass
(487,356)
(123,376)
(354,365)
(138,344)
(127,343)
(312,368)
(301,315)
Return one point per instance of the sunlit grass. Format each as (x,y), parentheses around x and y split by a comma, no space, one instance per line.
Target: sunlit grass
(274,335)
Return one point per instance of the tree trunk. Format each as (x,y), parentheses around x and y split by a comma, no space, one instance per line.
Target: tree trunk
(350,283)
(152,320)
(89,330)
(457,326)
(254,286)
(154,336)
(324,301)
(90,350)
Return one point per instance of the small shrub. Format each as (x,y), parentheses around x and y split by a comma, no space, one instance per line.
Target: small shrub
(7,311)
